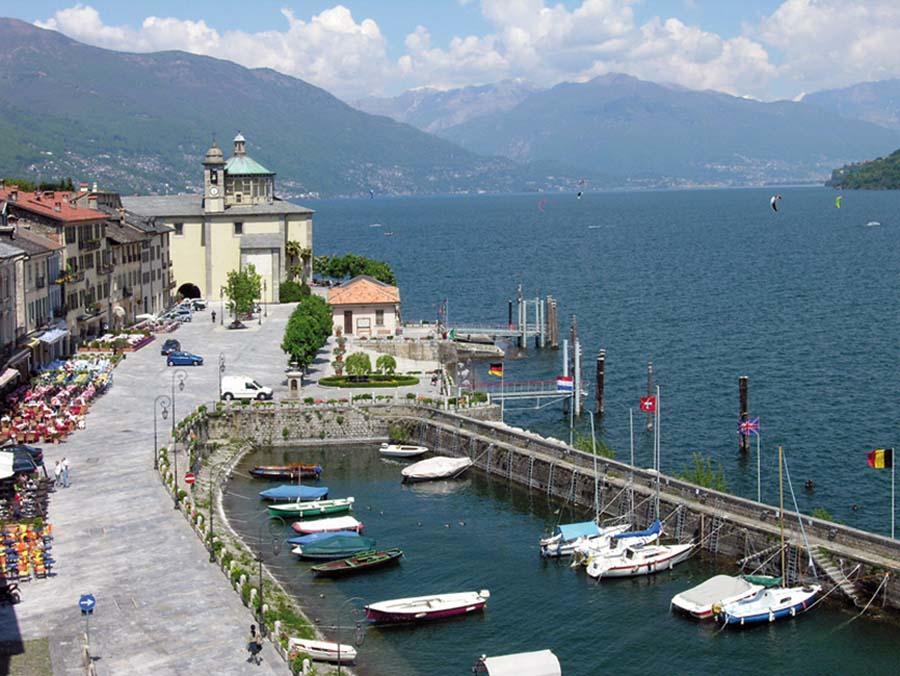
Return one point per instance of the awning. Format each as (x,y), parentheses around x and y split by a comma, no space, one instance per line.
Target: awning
(6,465)
(8,376)
(19,357)
(54,336)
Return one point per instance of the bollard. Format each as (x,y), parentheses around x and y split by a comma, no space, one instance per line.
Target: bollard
(252,602)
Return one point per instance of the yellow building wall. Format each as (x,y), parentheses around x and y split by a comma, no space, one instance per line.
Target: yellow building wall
(188,256)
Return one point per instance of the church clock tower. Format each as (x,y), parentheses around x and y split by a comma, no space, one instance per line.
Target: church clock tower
(214,180)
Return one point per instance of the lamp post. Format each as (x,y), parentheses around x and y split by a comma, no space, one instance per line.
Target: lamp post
(265,298)
(180,375)
(276,536)
(357,614)
(160,406)
(222,299)
(221,371)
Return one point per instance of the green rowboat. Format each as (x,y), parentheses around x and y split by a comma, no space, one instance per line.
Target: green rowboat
(358,563)
(315,508)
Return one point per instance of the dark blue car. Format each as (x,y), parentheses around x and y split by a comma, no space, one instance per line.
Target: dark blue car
(184,359)
(170,346)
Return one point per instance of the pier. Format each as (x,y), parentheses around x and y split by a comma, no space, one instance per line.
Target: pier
(536,321)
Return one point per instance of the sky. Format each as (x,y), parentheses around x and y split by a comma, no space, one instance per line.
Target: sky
(765,49)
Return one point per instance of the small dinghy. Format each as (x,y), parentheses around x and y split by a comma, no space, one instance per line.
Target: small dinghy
(325,525)
(338,547)
(639,560)
(422,608)
(401,451)
(322,651)
(287,472)
(359,563)
(719,590)
(567,536)
(289,492)
(316,537)
(767,606)
(305,510)
(440,467)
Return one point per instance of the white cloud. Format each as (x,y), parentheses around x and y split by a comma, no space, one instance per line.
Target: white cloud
(331,49)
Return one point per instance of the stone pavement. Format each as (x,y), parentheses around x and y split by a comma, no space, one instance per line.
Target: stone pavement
(162,608)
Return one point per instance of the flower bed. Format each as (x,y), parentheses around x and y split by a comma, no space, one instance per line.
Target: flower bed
(123,342)
(369,381)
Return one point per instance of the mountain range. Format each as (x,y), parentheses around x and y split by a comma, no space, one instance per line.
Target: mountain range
(877,102)
(645,133)
(142,122)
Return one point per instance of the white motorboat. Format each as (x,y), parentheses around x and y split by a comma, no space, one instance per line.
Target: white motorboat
(719,590)
(439,467)
(639,560)
(585,549)
(419,608)
(566,537)
(768,605)
(537,663)
(401,451)
(327,525)
(323,651)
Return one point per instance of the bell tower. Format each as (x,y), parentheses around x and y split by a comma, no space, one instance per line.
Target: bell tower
(214,180)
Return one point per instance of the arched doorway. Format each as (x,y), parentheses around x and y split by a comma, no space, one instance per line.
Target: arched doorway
(189,290)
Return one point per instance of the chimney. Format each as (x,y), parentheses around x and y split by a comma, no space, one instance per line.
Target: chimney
(13,194)
(92,201)
(37,196)
(82,187)
(57,206)
(2,183)
(121,214)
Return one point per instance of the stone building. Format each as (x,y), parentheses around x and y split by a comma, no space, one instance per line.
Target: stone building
(238,220)
(364,306)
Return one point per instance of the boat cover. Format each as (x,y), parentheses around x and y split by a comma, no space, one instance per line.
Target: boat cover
(436,468)
(654,529)
(715,589)
(765,580)
(318,537)
(538,663)
(339,545)
(573,531)
(291,492)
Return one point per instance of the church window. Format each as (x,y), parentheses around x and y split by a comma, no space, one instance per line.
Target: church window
(214,177)
(179,229)
(238,228)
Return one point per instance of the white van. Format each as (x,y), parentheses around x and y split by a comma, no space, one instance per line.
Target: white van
(242,387)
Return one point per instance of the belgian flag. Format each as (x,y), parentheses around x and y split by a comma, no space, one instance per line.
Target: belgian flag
(496,369)
(881,458)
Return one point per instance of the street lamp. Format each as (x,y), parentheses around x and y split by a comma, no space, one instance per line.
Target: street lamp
(276,536)
(180,375)
(357,614)
(265,298)
(221,371)
(160,406)
(222,299)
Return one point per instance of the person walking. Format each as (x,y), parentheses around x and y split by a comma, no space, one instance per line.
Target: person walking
(254,646)
(65,472)
(57,474)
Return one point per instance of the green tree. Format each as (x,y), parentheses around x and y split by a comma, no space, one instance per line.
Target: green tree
(704,472)
(585,443)
(359,364)
(290,291)
(307,330)
(23,183)
(351,265)
(242,289)
(386,364)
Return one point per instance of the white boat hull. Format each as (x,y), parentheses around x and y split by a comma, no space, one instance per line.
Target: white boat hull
(769,605)
(420,608)
(323,651)
(401,451)
(439,467)
(720,590)
(554,546)
(603,547)
(644,561)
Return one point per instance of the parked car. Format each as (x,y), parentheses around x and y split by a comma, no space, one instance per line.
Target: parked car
(180,358)
(178,314)
(242,387)
(170,346)
(194,303)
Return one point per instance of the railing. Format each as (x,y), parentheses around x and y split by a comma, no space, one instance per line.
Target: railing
(89,244)
(104,268)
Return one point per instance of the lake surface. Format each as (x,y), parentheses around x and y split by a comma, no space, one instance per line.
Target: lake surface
(481,533)
(710,285)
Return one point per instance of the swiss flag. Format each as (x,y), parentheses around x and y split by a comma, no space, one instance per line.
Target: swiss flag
(648,404)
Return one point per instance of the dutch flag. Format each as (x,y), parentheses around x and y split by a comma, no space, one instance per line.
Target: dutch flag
(565,384)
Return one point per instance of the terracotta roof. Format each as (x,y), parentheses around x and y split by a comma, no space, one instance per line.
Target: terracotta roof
(45,204)
(363,290)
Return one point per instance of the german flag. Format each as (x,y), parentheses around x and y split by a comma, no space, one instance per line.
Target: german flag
(881,458)
(496,369)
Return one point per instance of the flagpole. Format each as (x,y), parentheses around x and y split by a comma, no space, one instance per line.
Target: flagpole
(502,391)
(758,470)
(893,509)
(658,463)
(631,434)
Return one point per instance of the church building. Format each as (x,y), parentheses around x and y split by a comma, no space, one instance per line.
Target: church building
(237,220)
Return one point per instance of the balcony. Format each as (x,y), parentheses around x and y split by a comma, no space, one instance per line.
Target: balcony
(89,244)
(70,277)
(105,268)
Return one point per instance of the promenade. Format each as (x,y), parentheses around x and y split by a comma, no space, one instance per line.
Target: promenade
(162,608)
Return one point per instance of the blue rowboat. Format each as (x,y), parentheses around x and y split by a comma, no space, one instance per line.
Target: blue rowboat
(318,537)
(288,492)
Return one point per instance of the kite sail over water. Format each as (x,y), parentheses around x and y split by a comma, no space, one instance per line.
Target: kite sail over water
(837,201)
(541,205)
(774,202)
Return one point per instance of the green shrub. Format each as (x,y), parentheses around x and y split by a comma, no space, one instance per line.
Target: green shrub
(479,397)
(371,381)
(703,472)
(410,395)
(585,444)
(285,433)
(292,292)
(309,400)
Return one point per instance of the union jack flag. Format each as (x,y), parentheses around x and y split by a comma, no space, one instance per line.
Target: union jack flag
(748,427)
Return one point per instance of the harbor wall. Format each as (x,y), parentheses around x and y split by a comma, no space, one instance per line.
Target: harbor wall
(727,527)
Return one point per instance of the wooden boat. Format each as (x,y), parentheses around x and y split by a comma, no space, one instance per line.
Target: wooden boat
(289,492)
(719,590)
(314,508)
(324,525)
(439,467)
(322,651)
(422,608)
(401,451)
(337,547)
(639,560)
(359,563)
(316,537)
(286,471)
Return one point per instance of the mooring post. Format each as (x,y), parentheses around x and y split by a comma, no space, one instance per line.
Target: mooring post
(509,323)
(601,374)
(523,340)
(649,393)
(744,412)
(552,325)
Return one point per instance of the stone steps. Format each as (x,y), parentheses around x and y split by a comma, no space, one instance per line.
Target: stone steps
(826,564)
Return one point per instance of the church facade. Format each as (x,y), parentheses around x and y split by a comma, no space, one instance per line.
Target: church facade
(237,221)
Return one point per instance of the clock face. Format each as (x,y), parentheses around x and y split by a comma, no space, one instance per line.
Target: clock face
(214,191)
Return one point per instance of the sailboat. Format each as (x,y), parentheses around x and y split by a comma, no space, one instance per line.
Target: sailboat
(584,549)
(775,603)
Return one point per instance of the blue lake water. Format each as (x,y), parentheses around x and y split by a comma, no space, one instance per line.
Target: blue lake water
(482,533)
(710,285)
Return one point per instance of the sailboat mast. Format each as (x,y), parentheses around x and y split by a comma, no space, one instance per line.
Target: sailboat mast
(781,511)
(596,488)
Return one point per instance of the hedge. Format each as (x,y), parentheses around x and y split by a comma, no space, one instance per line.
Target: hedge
(371,381)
